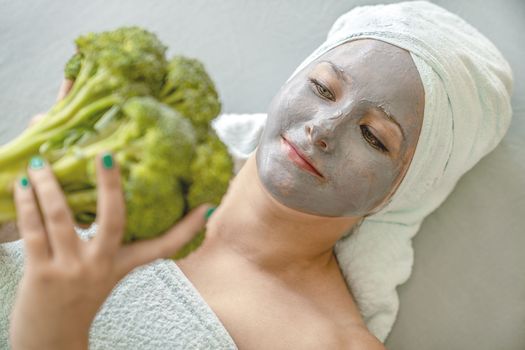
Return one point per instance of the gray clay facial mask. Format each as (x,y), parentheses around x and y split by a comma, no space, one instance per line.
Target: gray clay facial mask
(354,114)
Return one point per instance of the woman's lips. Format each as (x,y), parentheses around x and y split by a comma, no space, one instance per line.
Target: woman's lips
(300,160)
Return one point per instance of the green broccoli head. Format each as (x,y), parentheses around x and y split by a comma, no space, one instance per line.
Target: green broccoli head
(73,67)
(171,144)
(155,167)
(190,90)
(154,202)
(211,171)
(130,53)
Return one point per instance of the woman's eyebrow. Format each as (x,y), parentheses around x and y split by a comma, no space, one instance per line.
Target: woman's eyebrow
(341,73)
(391,118)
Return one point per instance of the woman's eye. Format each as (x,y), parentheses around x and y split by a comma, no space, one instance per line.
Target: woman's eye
(322,90)
(371,139)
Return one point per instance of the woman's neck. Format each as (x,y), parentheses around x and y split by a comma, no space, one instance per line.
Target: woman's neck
(252,224)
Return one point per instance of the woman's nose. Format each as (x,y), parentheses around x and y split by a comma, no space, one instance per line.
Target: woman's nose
(316,136)
(320,132)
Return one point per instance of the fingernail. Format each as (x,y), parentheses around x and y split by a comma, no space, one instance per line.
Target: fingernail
(107,160)
(24,182)
(36,163)
(209,212)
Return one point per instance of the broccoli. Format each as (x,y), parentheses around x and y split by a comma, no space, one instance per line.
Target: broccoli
(153,145)
(152,115)
(211,170)
(190,90)
(108,68)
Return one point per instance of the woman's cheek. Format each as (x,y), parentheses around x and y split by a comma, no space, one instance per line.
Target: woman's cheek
(384,176)
(368,181)
(298,103)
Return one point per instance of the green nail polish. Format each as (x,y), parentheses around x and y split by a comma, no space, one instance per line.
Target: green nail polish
(24,182)
(107,161)
(209,212)
(36,163)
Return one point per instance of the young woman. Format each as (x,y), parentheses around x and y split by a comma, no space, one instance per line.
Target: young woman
(374,128)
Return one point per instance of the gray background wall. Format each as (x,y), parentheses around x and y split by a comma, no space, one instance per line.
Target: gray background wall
(467,290)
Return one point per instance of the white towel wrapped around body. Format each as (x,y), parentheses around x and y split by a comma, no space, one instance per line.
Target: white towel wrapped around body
(467,85)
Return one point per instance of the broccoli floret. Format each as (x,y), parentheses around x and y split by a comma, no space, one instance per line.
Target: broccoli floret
(211,171)
(190,90)
(130,52)
(73,66)
(151,212)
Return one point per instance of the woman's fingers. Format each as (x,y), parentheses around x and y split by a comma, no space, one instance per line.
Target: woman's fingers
(30,223)
(111,209)
(57,216)
(64,89)
(143,252)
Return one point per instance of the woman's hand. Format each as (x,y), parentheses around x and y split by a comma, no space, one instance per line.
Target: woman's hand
(67,279)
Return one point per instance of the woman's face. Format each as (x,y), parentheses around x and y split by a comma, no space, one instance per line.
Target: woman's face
(355,113)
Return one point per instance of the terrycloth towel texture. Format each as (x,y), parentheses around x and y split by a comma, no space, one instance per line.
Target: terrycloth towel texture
(467,86)
(154,307)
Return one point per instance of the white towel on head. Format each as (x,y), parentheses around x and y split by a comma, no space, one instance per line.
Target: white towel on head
(467,86)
